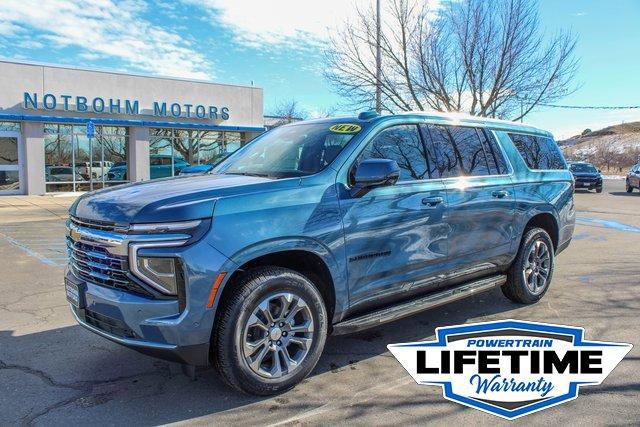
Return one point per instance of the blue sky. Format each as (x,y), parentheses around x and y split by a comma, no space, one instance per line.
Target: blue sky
(278,44)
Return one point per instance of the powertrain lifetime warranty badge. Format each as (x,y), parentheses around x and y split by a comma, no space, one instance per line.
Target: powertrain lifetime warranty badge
(510,368)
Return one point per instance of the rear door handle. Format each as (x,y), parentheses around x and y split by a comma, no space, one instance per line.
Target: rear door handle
(432,201)
(500,194)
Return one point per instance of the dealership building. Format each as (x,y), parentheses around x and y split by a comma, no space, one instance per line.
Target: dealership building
(69,129)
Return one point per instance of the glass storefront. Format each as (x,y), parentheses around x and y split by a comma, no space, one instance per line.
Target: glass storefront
(171,150)
(75,163)
(9,162)
(9,127)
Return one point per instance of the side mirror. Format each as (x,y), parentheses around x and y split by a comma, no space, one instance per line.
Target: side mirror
(372,173)
(599,171)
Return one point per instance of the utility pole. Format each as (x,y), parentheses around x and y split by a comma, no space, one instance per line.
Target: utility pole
(378,60)
(521,111)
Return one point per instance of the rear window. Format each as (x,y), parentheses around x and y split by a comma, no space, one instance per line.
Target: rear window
(459,151)
(495,158)
(538,152)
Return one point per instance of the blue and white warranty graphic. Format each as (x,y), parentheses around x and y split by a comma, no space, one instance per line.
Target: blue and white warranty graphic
(510,368)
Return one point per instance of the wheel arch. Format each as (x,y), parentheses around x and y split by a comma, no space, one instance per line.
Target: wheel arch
(548,221)
(304,256)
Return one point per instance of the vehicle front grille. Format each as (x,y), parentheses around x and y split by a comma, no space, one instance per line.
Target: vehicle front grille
(97,225)
(110,325)
(96,265)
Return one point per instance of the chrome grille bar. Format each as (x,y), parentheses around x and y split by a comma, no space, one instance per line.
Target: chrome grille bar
(94,265)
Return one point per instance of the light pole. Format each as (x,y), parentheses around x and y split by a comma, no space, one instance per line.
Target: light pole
(378,60)
(521,101)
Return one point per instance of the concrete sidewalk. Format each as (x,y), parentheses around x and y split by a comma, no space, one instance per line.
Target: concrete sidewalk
(23,209)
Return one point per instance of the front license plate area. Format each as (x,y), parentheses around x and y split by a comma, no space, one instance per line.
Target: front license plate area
(74,293)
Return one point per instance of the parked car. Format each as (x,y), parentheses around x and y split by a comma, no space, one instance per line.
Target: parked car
(633,178)
(159,167)
(196,169)
(62,174)
(319,227)
(117,172)
(586,176)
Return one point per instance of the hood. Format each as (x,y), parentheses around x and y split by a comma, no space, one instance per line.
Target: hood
(163,200)
(586,174)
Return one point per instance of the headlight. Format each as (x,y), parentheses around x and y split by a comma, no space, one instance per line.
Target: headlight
(166,227)
(161,273)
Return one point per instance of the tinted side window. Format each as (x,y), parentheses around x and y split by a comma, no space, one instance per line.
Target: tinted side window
(495,158)
(538,152)
(401,143)
(459,151)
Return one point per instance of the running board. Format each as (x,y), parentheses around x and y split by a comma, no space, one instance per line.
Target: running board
(409,308)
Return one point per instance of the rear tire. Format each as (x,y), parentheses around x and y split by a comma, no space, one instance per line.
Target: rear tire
(530,274)
(270,332)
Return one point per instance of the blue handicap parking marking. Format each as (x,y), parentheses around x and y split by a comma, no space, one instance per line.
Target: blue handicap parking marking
(29,239)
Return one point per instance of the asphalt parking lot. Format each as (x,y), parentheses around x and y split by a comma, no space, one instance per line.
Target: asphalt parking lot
(52,371)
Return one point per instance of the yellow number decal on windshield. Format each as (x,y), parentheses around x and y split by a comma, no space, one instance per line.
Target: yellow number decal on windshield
(345,128)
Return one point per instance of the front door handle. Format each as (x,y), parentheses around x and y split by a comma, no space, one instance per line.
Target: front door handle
(500,194)
(432,201)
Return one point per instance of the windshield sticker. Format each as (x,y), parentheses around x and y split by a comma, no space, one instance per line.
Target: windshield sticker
(345,128)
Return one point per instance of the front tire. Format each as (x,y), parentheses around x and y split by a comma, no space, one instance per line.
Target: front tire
(530,273)
(270,331)
(628,186)
(598,189)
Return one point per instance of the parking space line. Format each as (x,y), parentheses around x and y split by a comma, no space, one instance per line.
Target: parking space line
(50,251)
(28,251)
(608,224)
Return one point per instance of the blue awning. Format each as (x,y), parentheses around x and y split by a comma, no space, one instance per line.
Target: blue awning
(126,122)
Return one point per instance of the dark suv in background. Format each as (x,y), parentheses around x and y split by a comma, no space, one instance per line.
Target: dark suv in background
(633,178)
(586,176)
(318,227)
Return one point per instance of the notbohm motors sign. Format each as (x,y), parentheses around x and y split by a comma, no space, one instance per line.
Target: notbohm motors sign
(510,368)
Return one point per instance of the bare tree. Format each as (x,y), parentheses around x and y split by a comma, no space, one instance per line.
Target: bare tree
(487,58)
(286,112)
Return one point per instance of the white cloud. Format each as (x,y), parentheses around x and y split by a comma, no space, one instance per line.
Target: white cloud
(289,23)
(104,28)
(30,44)
(275,22)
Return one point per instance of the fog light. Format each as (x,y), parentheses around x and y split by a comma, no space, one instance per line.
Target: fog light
(160,272)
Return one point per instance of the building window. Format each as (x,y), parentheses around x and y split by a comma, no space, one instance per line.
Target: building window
(75,163)
(9,127)
(171,150)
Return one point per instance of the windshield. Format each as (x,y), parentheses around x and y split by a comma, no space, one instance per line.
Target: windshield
(290,151)
(582,167)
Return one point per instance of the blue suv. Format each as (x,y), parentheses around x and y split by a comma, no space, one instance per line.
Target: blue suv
(318,227)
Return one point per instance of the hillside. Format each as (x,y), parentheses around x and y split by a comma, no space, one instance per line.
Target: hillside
(614,148)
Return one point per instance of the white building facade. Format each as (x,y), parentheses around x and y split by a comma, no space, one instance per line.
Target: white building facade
(68,129)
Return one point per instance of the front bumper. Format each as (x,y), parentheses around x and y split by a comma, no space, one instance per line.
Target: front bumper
(190,354)
(167,328)
(588,183)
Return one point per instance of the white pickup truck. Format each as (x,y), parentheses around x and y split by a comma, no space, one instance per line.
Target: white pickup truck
(93,170)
